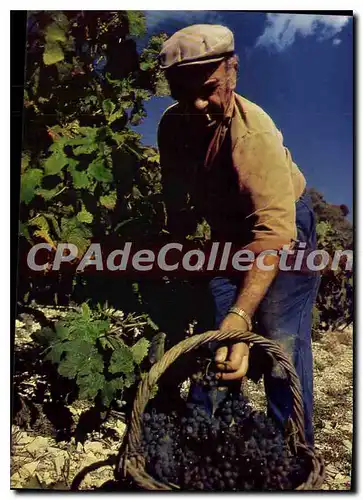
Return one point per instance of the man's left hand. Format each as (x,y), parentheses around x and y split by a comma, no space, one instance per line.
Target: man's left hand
(232,360)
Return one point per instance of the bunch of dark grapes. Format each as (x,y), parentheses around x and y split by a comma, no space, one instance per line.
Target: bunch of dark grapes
(233,449)
(208,380)
(160,437)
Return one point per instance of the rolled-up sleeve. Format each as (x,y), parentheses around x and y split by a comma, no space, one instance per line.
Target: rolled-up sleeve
(264,174)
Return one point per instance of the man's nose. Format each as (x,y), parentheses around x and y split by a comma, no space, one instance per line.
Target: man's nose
(200,104)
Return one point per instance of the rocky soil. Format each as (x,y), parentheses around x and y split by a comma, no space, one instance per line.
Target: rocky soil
(45,459)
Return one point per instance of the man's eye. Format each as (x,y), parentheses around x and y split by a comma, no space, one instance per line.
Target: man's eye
(185,94)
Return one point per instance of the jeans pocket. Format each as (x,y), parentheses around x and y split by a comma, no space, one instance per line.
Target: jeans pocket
(305,222)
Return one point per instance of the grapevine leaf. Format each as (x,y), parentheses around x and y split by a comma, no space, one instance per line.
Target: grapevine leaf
(55,162)
(73,231)
(121,360)
(44,235)
(95,365)
(85,149)
(98,170)
(67,367)
(72,163)
(117,383)
(110,388)
(55,353)
(140,350)
(102,325)
(80,355)
(89,385)
(47,194)
(53,53)
(129,379)
(80,179)
(85,216)
(40,223)
(89,132)
(54,33)
(79,141)
(43,229)
(86,311)
(30,180)
(87,330)
(62,332)
(108,393)
(109,200)
(58,143)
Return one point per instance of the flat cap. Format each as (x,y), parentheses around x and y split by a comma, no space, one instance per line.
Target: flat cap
(196,44)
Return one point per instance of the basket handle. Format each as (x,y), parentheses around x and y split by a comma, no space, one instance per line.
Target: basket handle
(191,343)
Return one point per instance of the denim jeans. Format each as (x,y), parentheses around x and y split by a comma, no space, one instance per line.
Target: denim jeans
(284,315)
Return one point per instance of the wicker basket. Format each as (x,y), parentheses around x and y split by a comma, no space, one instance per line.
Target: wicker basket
(131,463)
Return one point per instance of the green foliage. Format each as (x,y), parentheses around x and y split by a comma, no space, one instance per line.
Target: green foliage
(140,350)
(30,180)
(109,200)
(85,216)
(55,36)
(42,228)
(137,24)
(334,305)
(335,215)
(99,171)
(55,162)
(75,232)
(81,158)
(103,360)
(81,179)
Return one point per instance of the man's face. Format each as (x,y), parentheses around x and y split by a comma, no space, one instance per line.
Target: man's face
(203,90)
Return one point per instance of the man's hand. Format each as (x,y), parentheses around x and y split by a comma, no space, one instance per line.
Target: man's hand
(232,360)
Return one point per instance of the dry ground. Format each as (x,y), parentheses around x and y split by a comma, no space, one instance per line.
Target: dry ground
(39,461)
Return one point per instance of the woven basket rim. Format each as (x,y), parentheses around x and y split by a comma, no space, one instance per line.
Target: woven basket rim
(130,462)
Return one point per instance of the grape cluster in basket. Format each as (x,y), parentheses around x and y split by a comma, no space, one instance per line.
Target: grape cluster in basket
(234,449)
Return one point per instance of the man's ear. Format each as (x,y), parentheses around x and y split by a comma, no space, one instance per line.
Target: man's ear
(232,68)
(235,61)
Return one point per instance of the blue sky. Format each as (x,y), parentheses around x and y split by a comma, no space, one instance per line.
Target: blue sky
(299,69)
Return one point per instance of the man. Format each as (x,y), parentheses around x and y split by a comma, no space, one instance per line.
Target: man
(223,159)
